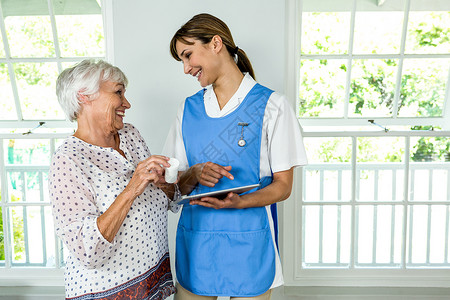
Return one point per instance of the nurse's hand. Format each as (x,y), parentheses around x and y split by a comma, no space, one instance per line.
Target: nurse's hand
(231,201)
(209,173)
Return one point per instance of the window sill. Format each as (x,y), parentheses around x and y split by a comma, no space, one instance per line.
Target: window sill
(327,292)
(35,292)
(21,277)
(411,278)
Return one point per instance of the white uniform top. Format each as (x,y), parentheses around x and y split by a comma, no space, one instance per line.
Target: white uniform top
(281,143)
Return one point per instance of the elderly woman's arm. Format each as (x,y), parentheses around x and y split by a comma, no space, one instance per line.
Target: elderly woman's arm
(149,170)
(75,213)
(87,232)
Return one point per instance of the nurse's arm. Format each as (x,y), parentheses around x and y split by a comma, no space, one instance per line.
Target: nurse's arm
(278,190)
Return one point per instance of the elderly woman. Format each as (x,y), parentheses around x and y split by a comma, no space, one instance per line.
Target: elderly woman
(105,186)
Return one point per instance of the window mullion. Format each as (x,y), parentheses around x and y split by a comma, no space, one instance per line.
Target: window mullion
(375,218)
(430,196)
(321,218)
(354,225)
(400,63)
(3,32)
(55,34)
(349,61)
(405,207)
(25,234)
(43,228)
(25,218)
(339,219)
(393,207)
(428,234)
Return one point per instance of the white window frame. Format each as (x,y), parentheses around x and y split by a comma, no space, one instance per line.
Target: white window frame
(10,278)
(334,282)
(294,55)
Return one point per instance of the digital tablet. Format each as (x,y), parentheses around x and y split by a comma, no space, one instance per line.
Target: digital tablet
(217,194)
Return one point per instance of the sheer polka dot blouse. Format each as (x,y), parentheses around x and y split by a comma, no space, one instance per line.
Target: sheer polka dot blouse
(84,181)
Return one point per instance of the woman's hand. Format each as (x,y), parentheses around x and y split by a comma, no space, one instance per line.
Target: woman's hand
(209,173)
(148,170)
(232,200)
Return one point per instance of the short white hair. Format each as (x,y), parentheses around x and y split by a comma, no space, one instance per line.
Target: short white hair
(84,79)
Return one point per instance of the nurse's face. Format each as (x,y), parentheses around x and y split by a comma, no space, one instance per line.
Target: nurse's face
(199,60)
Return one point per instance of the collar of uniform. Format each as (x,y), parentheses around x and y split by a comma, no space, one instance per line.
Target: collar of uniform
(212,105)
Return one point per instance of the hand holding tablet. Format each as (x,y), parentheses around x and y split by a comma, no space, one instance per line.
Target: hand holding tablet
(217,194)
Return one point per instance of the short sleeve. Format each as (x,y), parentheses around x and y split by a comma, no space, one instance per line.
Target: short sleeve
(285,140)
(174,146)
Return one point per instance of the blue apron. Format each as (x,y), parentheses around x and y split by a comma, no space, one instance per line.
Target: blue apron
(225,252)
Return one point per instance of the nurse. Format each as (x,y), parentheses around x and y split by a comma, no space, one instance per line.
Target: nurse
(233,132)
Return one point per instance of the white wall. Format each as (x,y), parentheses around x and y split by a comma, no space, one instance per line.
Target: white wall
(142,32)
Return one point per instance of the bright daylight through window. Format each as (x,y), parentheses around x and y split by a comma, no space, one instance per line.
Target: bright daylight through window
(373,93)
(38,39)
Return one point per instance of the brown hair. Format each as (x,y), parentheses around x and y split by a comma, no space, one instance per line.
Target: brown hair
(204,27)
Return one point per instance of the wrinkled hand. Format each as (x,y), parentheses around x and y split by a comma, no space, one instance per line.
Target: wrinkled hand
(148,170)
(209,173)
(232,200)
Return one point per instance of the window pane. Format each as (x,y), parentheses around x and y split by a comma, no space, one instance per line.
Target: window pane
(328,149)
(372,87)
(426,149)
(428,222)
(50,239)
(428,32)
(18,234)
(35,233)
(327,235)
(325,32)
(423,87)
(430,169)
(72,33)
(36,85)
(29,235)
(30,36)
(374,37)
(380,169)
(328,175)
(66,65)
(27,152)
(7,106)
(45,190)
(322,88)
(379,233)
(15,186)
(33,189)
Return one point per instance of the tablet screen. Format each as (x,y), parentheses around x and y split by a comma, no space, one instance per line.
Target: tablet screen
(217,194)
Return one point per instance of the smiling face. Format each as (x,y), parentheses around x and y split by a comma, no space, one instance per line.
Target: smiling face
(199,60)
(109,107)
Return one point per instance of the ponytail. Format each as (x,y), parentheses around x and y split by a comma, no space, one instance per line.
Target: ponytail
(244,63)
